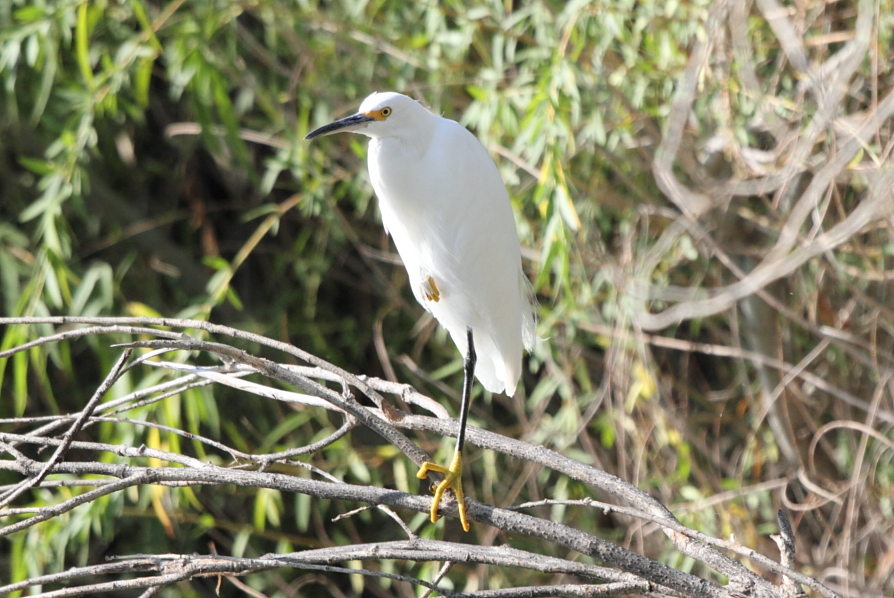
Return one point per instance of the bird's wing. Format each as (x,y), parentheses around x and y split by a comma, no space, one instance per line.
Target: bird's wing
(449,214)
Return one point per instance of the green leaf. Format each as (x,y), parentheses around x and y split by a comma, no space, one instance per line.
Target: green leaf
(81,45)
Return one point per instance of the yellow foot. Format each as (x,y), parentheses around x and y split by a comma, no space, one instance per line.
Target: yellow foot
(453,479)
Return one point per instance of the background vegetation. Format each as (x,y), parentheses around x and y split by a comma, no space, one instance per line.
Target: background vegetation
(152,163)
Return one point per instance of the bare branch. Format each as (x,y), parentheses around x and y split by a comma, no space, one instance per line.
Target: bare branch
(70,434)
(777,265)
(785,540)
(692,204)
(626,571)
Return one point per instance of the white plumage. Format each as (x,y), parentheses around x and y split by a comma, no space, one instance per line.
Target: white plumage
(445,206)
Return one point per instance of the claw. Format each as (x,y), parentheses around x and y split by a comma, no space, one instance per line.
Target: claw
(453,479)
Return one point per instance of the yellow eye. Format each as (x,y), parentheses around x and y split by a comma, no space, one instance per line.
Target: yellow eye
(386,112)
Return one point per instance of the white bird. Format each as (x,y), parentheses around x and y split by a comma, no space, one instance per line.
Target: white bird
(446,207)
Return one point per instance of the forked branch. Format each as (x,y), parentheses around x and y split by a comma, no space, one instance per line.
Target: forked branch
(625,572)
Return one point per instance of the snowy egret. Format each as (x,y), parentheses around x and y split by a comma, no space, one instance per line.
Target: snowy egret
(446,207)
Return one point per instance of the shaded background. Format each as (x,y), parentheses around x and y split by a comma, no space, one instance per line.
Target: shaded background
(152,163)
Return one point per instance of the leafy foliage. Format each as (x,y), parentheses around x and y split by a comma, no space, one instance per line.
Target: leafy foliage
(152,164)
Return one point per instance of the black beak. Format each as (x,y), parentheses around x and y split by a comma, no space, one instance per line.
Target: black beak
(351,123)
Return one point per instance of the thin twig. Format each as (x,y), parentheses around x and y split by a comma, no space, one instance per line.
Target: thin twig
(60,451)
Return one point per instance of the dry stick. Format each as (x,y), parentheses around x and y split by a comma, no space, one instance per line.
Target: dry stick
(178,385)
(652,509)
(415,550)
(350,424)
(788,37)
(809,198)
(565,590)
(445,567)
(692,204)
(109,469)
(785,569)
(876,205)
(812,195)
(829,96)
(753,356)
(420,550)
(212,329)
(72,431)
(93,483)
(183,567)
(174,458)
(112,324)
(369,573)
(9,448)
(392,496)
(230,376)
(117,449)
(56,421)
(841,66)
(408,394)
(145,476)
(96,330)
(59,420)
(516,522)
(862,428)
(153,591)
(745,67)
(843,340)
(828,85)
(295,378)
(177,568)
(290,376)
(234,454)
(78,332)
(278,372)
(133,566)
(230,379)
(785,540)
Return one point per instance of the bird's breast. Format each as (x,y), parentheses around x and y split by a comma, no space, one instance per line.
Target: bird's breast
(404,176)
(447,210)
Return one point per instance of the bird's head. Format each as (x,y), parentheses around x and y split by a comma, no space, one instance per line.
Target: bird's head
(385,114)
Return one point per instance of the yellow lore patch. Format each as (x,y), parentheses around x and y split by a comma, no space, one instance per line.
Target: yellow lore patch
(379,115)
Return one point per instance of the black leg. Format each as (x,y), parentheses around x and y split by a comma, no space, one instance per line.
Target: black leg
(453,475)
(469,361)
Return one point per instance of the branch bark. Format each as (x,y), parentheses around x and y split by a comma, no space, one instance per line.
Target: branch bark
(625,571)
